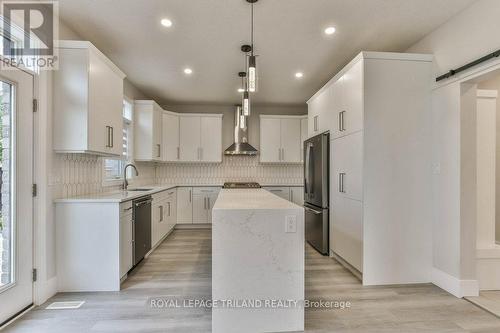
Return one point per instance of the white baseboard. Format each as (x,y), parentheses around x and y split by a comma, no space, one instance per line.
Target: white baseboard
(193,226)
(456,287)
(45,290)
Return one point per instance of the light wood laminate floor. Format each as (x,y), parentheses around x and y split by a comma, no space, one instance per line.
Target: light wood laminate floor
(182,266)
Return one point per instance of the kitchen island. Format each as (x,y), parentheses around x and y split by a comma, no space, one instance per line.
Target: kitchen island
(257,263)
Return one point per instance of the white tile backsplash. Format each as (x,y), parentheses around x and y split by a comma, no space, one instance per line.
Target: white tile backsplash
(80,174)
(232,169)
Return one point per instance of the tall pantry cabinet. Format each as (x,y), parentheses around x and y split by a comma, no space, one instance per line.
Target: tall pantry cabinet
(377,110)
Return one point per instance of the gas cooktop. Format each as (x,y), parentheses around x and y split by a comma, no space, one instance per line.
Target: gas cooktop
(242,185)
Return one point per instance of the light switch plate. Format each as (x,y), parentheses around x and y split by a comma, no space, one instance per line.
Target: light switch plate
(290,224)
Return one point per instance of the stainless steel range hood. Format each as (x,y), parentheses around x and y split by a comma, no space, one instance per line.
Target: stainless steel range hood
(240,145)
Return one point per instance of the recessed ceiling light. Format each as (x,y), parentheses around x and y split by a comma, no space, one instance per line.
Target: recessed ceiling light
(166,22)
(299,75)
(240,90)
(330,30)
(188,71)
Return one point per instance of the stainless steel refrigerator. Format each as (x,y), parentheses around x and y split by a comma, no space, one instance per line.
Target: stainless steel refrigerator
(316,188)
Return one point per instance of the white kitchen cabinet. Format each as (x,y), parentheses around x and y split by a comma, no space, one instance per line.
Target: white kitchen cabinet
(280,139)
(348,102)
(346,166)
(297,195)
(211,139)
(185,205)
(190,136)
(280,191)
(200,138)
(88,101)
(303,136)
(170,137)
(126,246)
(147,131)
(380,175)
(270,140)
(346,229)
(320,111)
(203,201)
(171,213)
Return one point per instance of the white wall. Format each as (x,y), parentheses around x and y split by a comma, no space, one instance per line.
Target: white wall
(467,36)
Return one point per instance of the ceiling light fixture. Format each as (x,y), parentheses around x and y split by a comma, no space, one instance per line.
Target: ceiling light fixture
(330,30)
(299,75)
(252,59)
(188,71)
(166,22)
(246,96)
(240,90)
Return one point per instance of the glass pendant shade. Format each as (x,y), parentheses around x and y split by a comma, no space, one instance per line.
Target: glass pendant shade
(252,73)
(242,122)
(246,104)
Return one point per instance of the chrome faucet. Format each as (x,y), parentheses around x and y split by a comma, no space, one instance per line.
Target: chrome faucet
(125,182)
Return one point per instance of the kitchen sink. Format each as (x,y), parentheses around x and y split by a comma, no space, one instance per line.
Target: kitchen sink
(140,189)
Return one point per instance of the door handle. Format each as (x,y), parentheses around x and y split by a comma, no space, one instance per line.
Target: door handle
(312,210)
(108,142)
(112,140)
(341,182)
(161,213)
(341,121)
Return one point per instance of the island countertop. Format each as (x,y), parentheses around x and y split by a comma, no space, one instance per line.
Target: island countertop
(257,255)
(250,199)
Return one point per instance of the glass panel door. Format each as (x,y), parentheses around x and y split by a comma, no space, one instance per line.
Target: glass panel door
(16,201)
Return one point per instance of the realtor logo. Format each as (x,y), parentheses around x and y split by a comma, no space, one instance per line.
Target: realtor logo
(29,31)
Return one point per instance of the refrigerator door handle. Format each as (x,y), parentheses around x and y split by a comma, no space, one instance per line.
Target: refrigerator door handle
(306,178)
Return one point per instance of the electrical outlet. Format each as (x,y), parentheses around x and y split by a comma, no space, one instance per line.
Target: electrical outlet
(290,224)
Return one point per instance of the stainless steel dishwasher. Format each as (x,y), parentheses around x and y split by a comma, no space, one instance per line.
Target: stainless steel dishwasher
(142,228)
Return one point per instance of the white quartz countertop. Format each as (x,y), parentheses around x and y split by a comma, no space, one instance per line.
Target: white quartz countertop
(235,199)
(122,196)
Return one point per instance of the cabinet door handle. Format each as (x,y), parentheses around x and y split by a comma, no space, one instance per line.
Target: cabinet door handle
(108,142)
(208,206)
(168,209)
(201,153)
(158,154)
(112,137)
(279,154)
(315,123)
(342,123)
(178,153)
(190,195)
(341,182)
(161,213)
(205,203)
(282,154)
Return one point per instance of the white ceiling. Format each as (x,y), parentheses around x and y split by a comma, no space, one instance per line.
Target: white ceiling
(207,34)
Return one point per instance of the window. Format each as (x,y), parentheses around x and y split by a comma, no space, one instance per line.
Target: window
(113,168)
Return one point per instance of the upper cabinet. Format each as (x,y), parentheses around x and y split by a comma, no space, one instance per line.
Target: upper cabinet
(148,131)
(88,101)
(170,137)
(281,139)
(200,138)
(164,136)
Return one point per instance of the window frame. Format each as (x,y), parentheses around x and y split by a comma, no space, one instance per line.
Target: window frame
(129,124)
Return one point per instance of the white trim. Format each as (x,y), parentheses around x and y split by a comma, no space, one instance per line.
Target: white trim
(482,93)
(374,55)
(78,44)
(456,287)
(45,290)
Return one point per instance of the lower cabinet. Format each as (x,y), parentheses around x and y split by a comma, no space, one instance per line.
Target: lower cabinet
(126,246)
(283,192)
(163,217)
(203,201)
(184,205)
(297,195)
(294,194)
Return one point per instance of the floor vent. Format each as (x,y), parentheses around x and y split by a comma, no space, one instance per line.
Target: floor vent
(64,305)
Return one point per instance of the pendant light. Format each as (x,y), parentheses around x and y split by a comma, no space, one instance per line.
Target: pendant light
(246,96)
(252,59)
